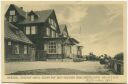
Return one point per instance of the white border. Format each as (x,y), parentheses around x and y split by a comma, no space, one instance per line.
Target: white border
(63,0)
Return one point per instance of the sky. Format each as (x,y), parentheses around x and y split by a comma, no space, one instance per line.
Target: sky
(98,27)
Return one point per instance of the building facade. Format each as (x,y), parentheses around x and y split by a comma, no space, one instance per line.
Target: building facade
(50,40)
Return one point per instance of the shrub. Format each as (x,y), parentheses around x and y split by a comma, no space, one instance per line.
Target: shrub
(119,56)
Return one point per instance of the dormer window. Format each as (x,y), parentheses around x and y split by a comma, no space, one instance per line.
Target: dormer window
(12,12)
(12,16)
(32,17)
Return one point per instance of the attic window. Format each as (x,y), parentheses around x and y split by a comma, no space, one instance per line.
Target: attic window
(32,17)
(12,16)
(12,12)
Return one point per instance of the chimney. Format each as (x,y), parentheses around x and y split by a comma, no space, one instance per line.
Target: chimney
(21,8)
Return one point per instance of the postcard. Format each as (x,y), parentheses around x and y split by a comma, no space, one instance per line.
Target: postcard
(63,42)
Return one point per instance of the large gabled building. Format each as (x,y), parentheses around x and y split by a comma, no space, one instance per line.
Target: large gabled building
(50,40)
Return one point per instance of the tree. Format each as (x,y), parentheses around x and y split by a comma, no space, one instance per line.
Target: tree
(119,56)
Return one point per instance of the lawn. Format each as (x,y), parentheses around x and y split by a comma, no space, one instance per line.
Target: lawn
(57,71)
(55,68)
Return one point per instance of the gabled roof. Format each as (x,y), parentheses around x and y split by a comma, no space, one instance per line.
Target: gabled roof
(19,10)
(43,16)
(32,12)
(74,41)
(10,34)
(63,29)
(70,41)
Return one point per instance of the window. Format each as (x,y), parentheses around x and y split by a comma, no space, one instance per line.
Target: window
(55,24)
(56,34)
(30,30)
(53,34)
(12,17)
(52,23)
(33,30)
(32,17)
(48,31)
(49,20)
(9,43)
(25,49)
(52,47)
(16,49)
(27,30)
(12,12)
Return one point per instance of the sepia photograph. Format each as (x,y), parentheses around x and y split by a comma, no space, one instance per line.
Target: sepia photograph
(63,38)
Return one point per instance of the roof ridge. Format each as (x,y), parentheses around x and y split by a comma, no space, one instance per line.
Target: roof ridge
(43,10)
(43,16)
